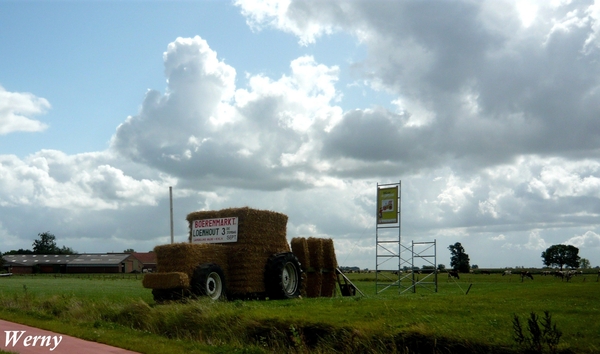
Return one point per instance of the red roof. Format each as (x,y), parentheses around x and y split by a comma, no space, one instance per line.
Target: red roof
(145,257)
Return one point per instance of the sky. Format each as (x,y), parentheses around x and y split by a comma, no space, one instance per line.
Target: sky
(486,112)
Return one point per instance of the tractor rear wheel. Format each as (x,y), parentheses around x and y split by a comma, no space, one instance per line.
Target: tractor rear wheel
(208,280)
(282,276)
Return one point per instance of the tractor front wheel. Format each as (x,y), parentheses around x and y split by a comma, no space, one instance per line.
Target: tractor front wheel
(208,280)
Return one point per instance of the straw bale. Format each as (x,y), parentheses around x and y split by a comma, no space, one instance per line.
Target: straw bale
(315,250)
(314,280)
(166,280)
(185,257)
(329,259)
(300,249)
(254,226)
(328,285)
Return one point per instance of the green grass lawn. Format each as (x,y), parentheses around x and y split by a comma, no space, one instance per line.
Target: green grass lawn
(117,310)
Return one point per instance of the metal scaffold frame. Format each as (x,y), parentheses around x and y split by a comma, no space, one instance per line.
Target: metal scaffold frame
(427,255)
(388,245)
(390,265)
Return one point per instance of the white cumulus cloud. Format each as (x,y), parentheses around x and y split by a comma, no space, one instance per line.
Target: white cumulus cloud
(17,110)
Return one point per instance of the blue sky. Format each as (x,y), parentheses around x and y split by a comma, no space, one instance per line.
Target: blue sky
(94,60)
(487,112)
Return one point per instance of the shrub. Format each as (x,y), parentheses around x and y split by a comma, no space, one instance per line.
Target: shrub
(539,337)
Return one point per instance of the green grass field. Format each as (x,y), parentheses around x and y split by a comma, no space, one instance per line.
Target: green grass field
(117,310)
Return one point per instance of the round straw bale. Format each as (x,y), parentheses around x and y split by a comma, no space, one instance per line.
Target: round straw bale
(304,283)
(314,280)
(300,249)
(329,260)
(315,250)
(329,282)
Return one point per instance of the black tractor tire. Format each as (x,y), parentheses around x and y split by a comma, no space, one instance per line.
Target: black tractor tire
(283,278)
(208,280)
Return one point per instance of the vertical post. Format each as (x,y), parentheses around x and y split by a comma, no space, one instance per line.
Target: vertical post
(171,204)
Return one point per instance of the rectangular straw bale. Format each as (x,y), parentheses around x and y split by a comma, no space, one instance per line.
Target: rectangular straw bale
(185,257)
(329,259)
(254,226)
(166,280)
(300,249)
(315,250)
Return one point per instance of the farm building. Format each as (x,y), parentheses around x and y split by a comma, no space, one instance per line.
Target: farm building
(37,263)
(79,263)
(101,263)
(146,261)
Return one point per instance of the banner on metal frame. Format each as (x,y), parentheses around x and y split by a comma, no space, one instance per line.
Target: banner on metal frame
(387,205)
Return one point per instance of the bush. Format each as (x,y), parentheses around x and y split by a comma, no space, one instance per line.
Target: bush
(539,337)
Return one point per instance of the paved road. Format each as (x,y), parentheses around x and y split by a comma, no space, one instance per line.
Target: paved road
(12,339)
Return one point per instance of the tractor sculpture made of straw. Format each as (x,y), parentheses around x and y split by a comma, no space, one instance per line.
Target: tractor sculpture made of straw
(242,253)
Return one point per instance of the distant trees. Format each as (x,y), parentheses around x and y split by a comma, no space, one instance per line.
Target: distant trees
(47,245)
(459,260)
(441,267)
(561,255)
(129,250)
(19,251)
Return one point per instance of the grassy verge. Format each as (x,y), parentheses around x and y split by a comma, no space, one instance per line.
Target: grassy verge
(118,311)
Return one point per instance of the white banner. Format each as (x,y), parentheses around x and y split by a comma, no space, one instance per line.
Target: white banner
(215,230)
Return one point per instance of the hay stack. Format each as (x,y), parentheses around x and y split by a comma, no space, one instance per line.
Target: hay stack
(261,233)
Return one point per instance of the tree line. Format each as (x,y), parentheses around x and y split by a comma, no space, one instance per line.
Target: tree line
(45,244)
(554,256)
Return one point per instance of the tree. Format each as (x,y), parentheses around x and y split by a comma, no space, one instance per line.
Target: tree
(129,250)
(459,260)
(441,267)
(561,255)
(584,263)
(47,245)
(66,250)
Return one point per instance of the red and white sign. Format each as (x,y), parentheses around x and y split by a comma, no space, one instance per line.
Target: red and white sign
(215,230)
